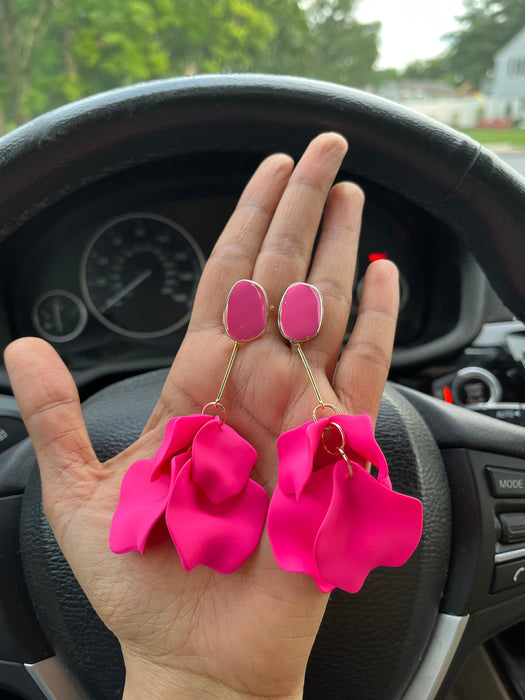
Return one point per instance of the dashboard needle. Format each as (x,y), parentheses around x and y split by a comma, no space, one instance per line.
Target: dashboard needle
(57,315)
(126,290)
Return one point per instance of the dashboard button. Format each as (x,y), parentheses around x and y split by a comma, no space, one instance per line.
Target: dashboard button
(507,483)
(508,575)
(512,527)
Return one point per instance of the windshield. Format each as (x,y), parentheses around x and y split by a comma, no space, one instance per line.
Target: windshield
(441,58)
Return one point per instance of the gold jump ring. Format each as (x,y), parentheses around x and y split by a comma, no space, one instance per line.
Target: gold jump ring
(323,405)
(218,405)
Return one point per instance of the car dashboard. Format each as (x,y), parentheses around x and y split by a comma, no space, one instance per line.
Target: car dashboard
(108,276)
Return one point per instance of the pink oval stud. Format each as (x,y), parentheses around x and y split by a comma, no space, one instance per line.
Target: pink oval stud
(300,312)
(246,311)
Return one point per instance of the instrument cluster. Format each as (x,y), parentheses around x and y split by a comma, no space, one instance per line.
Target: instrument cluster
(111,280)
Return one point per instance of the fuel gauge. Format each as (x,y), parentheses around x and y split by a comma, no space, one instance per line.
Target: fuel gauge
(59,316)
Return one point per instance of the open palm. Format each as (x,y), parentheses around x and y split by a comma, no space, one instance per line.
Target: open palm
(200,633)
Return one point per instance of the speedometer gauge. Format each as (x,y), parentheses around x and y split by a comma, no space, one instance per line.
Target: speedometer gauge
(139,275)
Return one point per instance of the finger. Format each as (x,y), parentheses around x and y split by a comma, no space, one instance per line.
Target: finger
(333,270)
(50,406)
(236,250)
(365,362)
(287,248)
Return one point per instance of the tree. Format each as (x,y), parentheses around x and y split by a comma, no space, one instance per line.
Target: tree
(485,27)
(54,51)
(285,52)
(21,27)
(437,68)
(341,49)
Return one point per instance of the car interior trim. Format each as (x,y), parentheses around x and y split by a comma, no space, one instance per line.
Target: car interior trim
(468,326)
(52,678)
(495,333)
(9,406)
(438,657)
(509,556)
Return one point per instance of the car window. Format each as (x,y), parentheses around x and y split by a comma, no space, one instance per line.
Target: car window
(55,51)
(461,62)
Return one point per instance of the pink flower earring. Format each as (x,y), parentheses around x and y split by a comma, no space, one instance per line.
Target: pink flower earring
(199,477)
(329,517)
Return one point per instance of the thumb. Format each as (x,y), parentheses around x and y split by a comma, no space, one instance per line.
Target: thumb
(50,406)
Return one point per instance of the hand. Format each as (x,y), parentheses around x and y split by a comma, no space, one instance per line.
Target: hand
(202,634)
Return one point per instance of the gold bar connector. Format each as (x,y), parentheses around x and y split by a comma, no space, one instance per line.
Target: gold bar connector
(228,370)
(309,371)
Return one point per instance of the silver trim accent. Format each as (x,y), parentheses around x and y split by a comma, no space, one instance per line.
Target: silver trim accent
(477,373)
(511,405)
(493,334)
(438,657)
(509,555)
(53,680)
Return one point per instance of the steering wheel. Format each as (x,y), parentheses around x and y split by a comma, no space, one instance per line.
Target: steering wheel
(409,630)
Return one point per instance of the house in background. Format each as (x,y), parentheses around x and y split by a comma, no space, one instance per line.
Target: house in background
(507,89)
(423,90)
(501,104)
(437,100)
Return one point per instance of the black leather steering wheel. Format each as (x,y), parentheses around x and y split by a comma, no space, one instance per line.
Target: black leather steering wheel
(409,630)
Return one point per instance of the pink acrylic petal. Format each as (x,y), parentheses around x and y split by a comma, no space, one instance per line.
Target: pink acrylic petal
(141,504)
(366,525)
(221,536)
(359,431)
(222,461)
(178,462)
(293,526)
(178,436)
(296,449)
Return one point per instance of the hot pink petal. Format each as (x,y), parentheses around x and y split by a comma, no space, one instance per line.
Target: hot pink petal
(177,463)
(221,536)
(178,436)
(296,450)
(141,504)
(293,526)
(366,525)
(222,461)
(359,431)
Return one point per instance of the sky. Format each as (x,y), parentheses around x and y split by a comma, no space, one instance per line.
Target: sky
(411,29)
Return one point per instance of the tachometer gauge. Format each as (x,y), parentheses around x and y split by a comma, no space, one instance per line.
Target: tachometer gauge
(59,316)
(139,275)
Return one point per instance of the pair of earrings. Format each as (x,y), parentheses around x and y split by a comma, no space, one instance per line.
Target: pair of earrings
(328,516)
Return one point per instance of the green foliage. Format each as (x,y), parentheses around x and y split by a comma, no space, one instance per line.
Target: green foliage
(342,49)
(484,28)
(430,69)
(385,75)
(54,51)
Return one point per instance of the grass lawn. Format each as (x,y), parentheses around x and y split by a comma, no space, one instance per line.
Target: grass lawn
(513,137)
